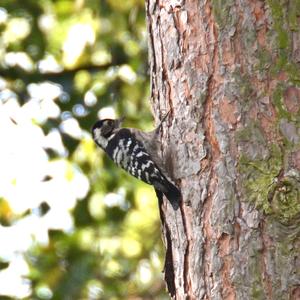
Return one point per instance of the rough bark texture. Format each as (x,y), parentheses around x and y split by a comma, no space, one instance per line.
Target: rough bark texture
(229,71)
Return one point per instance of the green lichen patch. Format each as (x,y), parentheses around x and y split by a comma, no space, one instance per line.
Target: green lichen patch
(286,200)
(293,14)
(278,102)
(267,189)
(241,88)
(221,11)
(259,176)
(283,64)
(257,291)
(252,142)
(287,122)
(279,18)
(284,22)
(293,71)
(264,60)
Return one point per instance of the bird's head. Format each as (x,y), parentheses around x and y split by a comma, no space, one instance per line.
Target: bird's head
(103,129)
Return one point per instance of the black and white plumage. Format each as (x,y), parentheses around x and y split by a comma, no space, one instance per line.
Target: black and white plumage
(136,152)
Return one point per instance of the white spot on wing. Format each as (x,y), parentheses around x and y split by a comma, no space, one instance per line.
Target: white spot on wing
(139,173)
(135,148)
(115,154)
(147,165)
(147,177)
(119,157)
(111,137)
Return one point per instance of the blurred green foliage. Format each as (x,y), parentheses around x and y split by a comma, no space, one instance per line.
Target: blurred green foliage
(95,52)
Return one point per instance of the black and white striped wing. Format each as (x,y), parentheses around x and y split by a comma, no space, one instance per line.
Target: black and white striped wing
(130,154)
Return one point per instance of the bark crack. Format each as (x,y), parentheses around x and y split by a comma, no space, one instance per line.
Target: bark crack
(227,290)
(169,264)
(186,283)
(165,78)
(214,153)
(267,282)
(152,56)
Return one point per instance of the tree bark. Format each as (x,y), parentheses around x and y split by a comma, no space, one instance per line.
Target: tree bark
(229,72)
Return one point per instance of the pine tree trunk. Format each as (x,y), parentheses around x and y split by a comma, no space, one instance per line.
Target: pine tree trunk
(229,72)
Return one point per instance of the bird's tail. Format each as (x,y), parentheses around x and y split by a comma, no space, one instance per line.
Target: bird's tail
(172,193)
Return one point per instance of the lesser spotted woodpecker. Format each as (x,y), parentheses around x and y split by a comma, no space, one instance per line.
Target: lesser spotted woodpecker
(136,152)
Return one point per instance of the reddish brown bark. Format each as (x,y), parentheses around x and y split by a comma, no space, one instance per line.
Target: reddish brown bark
(229,72)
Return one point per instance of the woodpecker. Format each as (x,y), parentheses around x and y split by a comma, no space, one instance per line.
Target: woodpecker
(137,152)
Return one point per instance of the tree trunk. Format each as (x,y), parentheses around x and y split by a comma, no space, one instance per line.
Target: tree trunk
(229,72)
